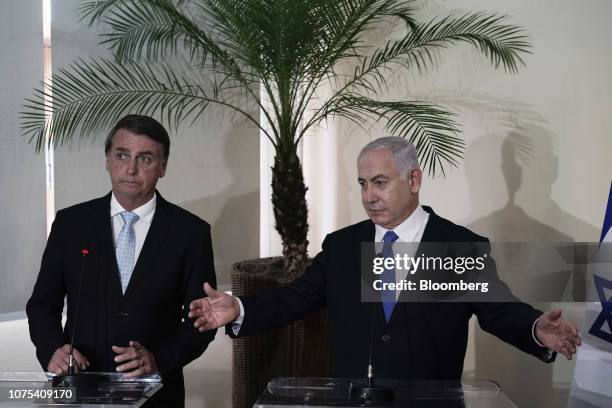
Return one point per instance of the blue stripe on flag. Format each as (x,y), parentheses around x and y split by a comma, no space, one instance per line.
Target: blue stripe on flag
(608,217)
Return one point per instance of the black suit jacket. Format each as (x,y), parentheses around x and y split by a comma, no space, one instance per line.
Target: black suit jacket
(175,260)
(421,341)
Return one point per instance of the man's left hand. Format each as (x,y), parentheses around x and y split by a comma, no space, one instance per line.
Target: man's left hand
(138,360)
(558,334)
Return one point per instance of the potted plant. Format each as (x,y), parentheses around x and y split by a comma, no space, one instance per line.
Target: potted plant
(175,58)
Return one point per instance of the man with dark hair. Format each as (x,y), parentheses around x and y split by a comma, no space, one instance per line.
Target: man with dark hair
(408,340)
(147,259)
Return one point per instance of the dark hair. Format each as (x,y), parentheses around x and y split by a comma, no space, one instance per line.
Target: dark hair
(141,125)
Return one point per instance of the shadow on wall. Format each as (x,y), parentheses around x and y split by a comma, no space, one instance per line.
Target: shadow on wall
(528,170)
(235,231)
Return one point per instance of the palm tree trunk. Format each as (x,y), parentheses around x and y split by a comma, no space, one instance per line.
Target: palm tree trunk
(290,208)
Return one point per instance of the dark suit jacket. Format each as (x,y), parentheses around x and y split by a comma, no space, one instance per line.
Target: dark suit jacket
(175,260)
(421,341)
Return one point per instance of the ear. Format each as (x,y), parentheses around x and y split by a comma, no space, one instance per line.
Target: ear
(414,178)
(164,165)
(107,165)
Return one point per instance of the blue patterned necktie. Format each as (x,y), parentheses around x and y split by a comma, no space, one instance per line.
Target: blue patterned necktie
(388,275)
(125,248)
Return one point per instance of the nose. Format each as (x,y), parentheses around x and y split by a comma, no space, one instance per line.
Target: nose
(132,167)
(369,195)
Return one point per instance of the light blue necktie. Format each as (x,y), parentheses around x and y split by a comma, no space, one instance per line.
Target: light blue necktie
(125,249)
(388,275)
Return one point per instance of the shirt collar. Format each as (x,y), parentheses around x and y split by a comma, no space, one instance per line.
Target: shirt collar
(145,212)
(408,229)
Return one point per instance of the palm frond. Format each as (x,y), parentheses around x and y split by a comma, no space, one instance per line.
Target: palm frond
(89,95)
(95,10)
(138,30)
(345,23)
(502,43)
(431,128)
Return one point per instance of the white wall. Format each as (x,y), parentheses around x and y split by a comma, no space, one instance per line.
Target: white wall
(22,180)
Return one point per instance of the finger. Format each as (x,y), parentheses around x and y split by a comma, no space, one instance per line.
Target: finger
(201,321)
(571,328)
(136,345)
(63,366)
(135,373)
(553,314)
(195,313)
(196,304)
(569,346)
(573,338)
(209,290)
(61,361)
(120,350)
(53,367)
(207,326)
(131,354)
(129,366)
(80,359)
(566,353)
(60,371)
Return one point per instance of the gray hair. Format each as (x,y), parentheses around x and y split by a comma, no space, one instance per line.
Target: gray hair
(404,153)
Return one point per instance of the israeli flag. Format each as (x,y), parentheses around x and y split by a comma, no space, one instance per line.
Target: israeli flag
(592,384)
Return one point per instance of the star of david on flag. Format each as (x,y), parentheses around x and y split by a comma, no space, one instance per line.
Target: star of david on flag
(602,327)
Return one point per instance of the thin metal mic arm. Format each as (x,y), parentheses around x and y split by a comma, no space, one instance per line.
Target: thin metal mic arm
(84,252)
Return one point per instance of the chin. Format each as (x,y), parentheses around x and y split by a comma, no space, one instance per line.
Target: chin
(379,220)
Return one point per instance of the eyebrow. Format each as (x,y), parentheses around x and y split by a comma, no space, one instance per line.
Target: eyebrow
(378,176)
(123,149)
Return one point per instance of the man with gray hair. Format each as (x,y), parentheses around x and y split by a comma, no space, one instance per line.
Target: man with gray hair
(407,340)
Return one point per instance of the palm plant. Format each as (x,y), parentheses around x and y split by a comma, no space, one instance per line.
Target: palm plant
(277,54)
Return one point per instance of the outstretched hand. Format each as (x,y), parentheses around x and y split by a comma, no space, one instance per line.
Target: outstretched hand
(557,333)
(215,310)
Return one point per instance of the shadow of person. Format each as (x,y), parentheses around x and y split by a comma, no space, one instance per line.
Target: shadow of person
(235,228)
(533,271)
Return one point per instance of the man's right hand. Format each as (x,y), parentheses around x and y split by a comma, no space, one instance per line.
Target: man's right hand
(215,310)
(59,360)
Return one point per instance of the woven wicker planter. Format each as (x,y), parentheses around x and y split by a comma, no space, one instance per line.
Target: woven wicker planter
(298,350)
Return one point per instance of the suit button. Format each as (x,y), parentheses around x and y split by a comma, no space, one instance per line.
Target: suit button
(386,338)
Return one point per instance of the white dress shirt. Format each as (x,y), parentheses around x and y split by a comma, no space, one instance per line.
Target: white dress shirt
(141,227)
(408,232)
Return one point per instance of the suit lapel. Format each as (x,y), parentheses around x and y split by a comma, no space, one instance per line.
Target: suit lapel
(155,237)
(367,234)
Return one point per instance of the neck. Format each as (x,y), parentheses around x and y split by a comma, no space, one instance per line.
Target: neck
(410,212)
(130,204)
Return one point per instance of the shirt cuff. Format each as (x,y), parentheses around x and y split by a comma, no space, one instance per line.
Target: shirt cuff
(236,324)
(533,332)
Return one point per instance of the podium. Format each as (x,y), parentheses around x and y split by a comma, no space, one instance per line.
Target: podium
(34,389)
(336,392)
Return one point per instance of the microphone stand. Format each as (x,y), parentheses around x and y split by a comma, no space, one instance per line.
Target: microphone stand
(86,384)
(371,393)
